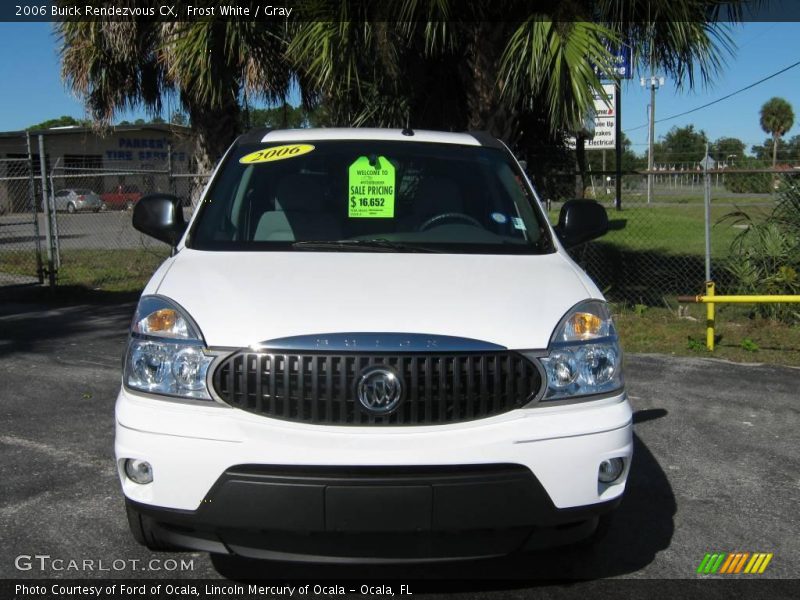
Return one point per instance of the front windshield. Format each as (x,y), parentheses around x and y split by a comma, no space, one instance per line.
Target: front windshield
(349,195)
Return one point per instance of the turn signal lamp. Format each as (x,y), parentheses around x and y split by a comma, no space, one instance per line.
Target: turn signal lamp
(159,318)
(162,320)
(584,326)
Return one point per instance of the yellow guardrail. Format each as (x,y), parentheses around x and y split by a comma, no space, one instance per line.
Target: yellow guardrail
(710,299)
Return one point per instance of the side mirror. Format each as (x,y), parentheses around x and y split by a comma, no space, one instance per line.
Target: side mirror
(160,216)
(581,221)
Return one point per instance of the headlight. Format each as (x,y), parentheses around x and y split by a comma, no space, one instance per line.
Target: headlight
(166,352)
(584,356)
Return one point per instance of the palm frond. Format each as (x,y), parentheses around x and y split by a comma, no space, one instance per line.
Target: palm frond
(688,40)
(555,61)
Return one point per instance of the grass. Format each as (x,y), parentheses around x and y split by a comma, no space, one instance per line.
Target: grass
(108,270)
(672,230)
(739,337)
(686,195)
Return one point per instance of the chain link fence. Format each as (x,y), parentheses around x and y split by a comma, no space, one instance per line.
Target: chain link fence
(20,227)
(656,246)
(98,246)
(71,225)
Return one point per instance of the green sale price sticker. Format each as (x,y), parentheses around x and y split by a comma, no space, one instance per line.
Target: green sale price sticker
(371,188)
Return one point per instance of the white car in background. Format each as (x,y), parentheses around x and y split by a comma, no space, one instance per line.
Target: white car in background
(370,346)
(74,200)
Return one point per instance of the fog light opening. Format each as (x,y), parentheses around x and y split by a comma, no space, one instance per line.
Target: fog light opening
(138,471)
(610,470)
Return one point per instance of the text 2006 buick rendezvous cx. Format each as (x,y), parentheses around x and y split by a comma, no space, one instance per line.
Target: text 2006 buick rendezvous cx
(370,345)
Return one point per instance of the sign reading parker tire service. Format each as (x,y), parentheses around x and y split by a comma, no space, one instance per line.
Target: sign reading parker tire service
(621,61)
(371,188)
(605,120)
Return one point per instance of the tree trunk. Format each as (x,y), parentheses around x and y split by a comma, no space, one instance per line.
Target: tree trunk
(484,109)
(214,130)
(775,139)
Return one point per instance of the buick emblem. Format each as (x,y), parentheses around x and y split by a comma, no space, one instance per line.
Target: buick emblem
(379,390)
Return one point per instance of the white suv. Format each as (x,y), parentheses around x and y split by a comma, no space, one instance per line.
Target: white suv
(370,345)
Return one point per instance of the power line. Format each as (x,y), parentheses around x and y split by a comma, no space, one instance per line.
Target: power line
(744,89)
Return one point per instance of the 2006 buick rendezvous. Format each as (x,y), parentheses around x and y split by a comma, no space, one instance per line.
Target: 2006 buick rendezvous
(370,345)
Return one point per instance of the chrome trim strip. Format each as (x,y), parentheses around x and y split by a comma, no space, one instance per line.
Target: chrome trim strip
(187,437)
(378,342)
(607,339)
(574,435)
(540,403)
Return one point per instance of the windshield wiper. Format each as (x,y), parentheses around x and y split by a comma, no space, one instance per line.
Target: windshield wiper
(362,245)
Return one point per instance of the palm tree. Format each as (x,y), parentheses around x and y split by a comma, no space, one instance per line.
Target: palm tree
(417,65)
(524,71)
(212,65)
(777,118)
(520,69)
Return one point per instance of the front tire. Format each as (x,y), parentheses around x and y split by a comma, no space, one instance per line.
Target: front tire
(71,208)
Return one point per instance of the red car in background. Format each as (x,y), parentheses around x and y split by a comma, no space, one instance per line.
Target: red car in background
(123,197)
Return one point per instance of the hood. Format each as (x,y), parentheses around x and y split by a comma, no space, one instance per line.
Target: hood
(244,298)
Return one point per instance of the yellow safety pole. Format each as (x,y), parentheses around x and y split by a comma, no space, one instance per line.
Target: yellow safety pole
(710,316)
(710,299)
(739,299)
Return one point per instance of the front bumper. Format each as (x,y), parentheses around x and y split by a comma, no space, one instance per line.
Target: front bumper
(373,514)
(228,481)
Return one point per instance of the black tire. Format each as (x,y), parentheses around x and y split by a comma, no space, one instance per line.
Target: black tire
(144,533)
(71,208)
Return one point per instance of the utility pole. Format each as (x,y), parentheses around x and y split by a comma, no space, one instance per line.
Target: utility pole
(654,83)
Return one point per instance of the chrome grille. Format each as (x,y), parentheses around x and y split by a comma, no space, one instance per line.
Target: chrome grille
(321,387)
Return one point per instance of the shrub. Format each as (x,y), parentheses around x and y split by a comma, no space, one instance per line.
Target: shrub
(748,183)
(765,257)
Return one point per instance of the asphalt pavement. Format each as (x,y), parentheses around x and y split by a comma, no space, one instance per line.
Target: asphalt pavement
(716,469)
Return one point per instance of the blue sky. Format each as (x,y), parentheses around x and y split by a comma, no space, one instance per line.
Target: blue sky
(33,91)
